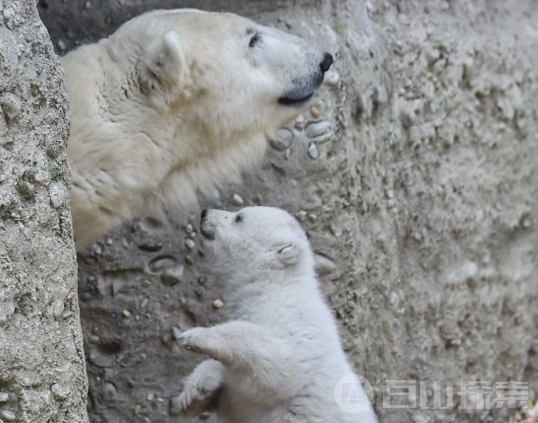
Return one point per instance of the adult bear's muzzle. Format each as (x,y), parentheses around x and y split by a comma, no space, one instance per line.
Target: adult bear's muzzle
(303,89)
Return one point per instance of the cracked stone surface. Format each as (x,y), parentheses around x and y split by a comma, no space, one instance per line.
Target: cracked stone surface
(413,171)
(42,372)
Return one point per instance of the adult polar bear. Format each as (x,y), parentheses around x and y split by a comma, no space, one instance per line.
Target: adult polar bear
(174,103)
(278,359)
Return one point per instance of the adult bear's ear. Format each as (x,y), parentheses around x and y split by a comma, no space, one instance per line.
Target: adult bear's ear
(288,254)
(164,61)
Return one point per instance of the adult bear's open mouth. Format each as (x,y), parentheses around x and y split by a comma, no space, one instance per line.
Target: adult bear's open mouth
(303,89)
(290,101)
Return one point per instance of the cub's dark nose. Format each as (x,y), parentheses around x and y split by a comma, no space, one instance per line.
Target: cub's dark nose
(204,213)
(326,63)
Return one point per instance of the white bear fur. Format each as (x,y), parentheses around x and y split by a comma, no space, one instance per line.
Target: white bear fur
(173,104)
(278,358)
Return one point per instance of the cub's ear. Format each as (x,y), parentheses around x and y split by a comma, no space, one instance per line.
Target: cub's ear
(288,254)
(164,61)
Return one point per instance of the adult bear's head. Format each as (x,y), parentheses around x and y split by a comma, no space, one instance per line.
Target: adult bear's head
(175,104)
(235,76)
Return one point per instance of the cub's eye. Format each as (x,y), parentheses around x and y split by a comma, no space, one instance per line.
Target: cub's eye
(238,218)
(255,39)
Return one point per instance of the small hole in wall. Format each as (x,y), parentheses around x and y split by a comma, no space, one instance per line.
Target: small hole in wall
(109,346)
(43,4)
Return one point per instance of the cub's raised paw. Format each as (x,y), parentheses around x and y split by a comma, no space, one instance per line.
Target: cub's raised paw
(195,340)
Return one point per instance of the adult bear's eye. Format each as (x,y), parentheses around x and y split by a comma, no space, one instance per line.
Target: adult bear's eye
(238,218)
(255,39)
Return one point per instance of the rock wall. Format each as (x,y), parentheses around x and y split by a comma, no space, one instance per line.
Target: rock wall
(42,371)
(415,173)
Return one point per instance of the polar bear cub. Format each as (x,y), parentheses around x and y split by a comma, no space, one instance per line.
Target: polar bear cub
(173,104)
(278,359)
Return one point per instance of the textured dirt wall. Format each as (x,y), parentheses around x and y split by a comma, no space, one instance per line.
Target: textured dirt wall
(42,372)
(415,174)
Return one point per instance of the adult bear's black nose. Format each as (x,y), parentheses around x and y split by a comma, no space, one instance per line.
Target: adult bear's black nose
(204,213)
(326,63)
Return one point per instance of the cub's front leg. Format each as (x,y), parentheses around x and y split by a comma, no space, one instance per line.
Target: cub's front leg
(236,344)
(202,389)
(251,353)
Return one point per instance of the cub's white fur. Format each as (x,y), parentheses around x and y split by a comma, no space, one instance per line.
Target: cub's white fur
(175,103)
(278,358)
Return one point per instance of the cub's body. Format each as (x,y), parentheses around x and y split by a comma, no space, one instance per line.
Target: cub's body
(278,359)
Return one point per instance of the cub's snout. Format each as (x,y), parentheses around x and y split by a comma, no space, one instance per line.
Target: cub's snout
(206,228)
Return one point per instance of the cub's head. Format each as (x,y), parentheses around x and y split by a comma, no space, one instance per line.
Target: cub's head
(233,75)
(255,239)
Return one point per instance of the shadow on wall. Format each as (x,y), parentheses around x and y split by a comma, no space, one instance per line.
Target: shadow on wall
(71,23)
